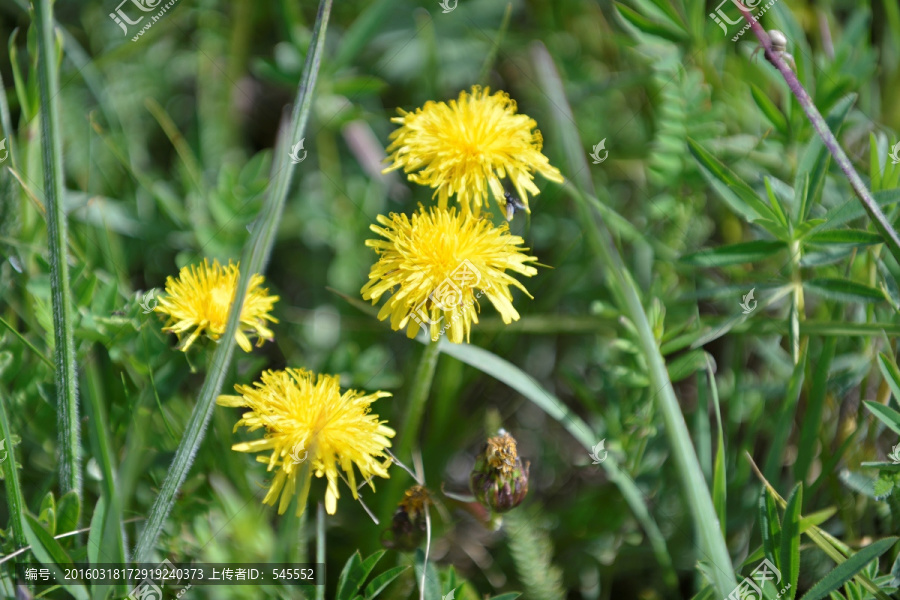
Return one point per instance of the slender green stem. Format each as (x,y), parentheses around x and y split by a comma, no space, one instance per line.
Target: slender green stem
(254,258)
(63,325)
(890,236)
(11,481)
(712,547)
(103,452)
(418,399)
(320,550)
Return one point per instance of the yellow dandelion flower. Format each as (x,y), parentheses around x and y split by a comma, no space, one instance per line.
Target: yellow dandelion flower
(465,147)
(201,297)
(311,428)
(443,262)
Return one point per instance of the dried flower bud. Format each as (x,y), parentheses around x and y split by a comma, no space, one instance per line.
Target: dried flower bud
(499,480)
(408,523)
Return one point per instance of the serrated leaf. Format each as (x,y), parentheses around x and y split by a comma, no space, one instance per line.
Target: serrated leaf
(380,582)
(745,252)
(883,486)
(844,571)
(843,290)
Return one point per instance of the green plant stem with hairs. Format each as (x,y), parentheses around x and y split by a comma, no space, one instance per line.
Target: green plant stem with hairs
(63,323)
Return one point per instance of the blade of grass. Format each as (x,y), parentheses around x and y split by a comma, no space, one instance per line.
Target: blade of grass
(112,523)
(253,260)
(719,479)
(712,543)
(14,500)
(834,548)
(63,324)
(511,375)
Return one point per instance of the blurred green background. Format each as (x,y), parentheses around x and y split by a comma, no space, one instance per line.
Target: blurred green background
(167,150)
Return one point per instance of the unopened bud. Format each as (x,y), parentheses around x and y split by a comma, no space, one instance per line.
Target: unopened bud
(499,479)
(408,524)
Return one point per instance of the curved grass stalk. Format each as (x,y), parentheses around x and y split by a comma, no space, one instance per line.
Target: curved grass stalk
(712,547)
(63,324)
(253,260)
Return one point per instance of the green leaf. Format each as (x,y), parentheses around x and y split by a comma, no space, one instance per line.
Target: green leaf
(351,577)
(507,596)
(69,512)
(736,193)
(769,527)
(854,237)
(686,365)
(432,579)
(790,540)
(844,571)
(49,552)
(853,209)
(891,374)
(809,431)
(95,537)
(768,108)
(885,414)
(843,290)
(664,31)
(810,175)
(380,582)
(883,486)
(745,252)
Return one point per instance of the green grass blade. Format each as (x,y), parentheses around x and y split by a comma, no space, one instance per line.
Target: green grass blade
(844,571)
(50,553)
(885,414)
(809,432)
(790,540)
(63,323)
(719,476)
(891,374)
(14,500)
(254,258)
(511,375)
(693,484)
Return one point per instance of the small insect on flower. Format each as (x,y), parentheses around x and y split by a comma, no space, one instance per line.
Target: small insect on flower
(408,524)
(437,266)
(499,479)
(200,299)
(512,205)
(335,430)
(465,147)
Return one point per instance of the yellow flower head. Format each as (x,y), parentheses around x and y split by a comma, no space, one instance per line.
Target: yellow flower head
(443,262)
(466,146)
(311,428)
(200,300)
